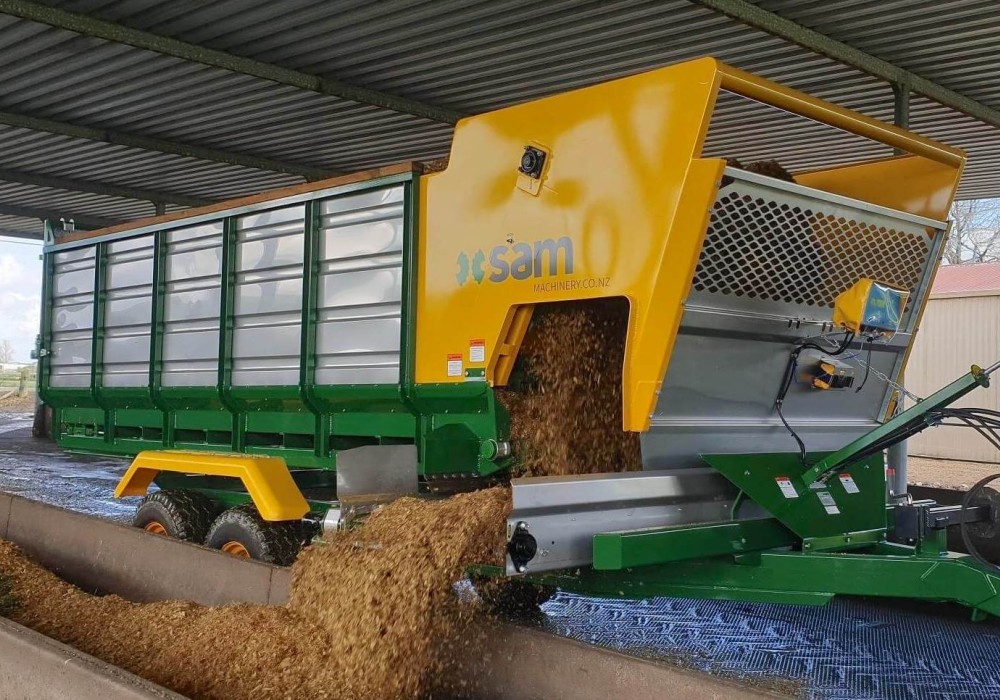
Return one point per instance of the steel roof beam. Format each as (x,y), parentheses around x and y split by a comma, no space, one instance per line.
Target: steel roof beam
(53,214)
(111,31)
(775,24)
(150,143)
(74,185)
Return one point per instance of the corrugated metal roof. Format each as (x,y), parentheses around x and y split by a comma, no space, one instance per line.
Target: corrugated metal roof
(463,55)
(967,280)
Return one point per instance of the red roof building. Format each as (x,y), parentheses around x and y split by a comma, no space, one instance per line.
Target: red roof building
(979,279)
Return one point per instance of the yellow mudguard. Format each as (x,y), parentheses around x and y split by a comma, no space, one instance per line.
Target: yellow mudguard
(266,479)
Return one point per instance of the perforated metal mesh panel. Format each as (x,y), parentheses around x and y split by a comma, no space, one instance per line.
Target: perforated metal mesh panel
(781,251)
(775,257)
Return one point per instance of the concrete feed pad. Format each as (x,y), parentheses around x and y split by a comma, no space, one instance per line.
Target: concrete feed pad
(39,470)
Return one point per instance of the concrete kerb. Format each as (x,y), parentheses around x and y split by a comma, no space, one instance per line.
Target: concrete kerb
(529,664)
(520,664)
(5,504)
(105,557)
(36,667)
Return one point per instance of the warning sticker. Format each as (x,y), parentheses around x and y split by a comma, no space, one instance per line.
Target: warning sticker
(827,500)
(455,365)
(477,351)
(848,483)
(785,484)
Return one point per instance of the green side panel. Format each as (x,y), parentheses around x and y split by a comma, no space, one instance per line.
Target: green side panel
(458,421)
(80,421)
(614,551)
(850,502)
(138,417)
(454,427)
(798,577)
(204,420)
(379,425)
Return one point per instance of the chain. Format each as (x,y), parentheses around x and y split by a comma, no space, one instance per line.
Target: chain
(898,387)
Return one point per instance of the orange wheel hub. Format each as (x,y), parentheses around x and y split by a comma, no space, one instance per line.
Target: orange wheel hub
(236,549)
(155,527)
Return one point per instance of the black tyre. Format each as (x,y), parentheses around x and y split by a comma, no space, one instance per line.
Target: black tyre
(243,533)
(511,597)
(181,514)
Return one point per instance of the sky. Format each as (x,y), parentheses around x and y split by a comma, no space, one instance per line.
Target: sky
(20,295)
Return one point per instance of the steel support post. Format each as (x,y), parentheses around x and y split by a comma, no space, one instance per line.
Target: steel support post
(897,457)
(901,108)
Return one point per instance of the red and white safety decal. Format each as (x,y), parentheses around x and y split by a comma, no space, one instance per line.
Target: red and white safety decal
(785,484)
(455,365)
(847,481)
(477,351)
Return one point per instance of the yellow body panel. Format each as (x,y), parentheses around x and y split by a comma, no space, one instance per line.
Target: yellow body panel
(266,479)
(621,209)
(909,183)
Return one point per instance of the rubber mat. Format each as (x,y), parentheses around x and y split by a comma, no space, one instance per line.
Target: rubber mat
(849,649)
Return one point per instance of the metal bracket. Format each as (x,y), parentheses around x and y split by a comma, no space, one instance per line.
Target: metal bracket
(917,521)
(563,514)
(376,473)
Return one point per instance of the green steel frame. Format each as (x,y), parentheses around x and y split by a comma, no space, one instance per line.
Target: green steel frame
(307,423)
(797,577)
(826,535)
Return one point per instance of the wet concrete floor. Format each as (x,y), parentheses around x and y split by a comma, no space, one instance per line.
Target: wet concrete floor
(39,470)
(850,649)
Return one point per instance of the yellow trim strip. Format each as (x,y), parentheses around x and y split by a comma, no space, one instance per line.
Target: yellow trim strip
(266,479)
(748,85)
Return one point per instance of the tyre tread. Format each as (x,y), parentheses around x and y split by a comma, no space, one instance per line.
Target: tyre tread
(189,514)
(270,542)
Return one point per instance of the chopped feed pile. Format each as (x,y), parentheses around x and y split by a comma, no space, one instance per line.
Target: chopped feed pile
(770,168)
(566,402)
(372,613)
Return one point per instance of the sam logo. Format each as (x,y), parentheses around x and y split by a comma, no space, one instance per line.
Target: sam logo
(520,261)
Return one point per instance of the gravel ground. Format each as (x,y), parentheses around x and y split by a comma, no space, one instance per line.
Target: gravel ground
(947,473)
(18,404)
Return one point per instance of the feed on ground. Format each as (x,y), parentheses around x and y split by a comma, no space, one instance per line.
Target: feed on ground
(372,613)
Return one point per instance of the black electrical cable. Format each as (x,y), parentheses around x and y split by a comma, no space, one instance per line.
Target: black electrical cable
(795,436)
(868,362)
(786,383)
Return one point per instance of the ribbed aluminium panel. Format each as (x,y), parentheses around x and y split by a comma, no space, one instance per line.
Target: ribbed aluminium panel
(192,306)
(360,288)
(267,323)
(72,317)
(128,312)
